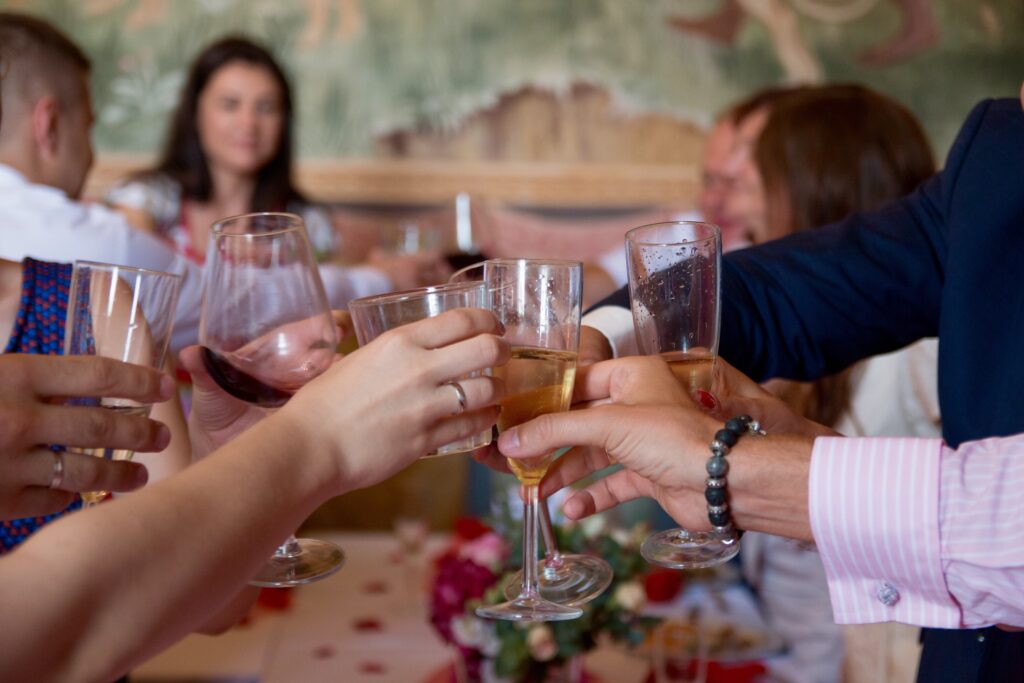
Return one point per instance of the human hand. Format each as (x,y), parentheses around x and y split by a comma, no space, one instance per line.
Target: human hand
(594,347)
(31,415)
(638,416)
(736,394)
(408,271)
(389,402)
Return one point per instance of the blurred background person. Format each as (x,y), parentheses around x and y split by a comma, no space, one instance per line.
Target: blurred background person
(815,156)
(229,151)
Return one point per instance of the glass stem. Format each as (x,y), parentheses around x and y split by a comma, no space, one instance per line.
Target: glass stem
(289,549)
(552,557)
(530,589)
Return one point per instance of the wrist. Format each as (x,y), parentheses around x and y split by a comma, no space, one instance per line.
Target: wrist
(309,453)
(768,485)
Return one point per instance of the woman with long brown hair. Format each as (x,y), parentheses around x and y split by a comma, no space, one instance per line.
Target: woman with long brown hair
(229,150)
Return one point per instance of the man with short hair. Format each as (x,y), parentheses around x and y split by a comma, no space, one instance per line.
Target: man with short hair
(45,155)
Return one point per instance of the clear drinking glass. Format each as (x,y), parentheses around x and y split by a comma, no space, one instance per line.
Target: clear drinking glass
(674,290)
(571,579)
(374,315)
(122,313)
(539,304)
(266,330)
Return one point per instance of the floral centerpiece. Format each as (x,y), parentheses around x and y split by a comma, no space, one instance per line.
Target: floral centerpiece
(474,570)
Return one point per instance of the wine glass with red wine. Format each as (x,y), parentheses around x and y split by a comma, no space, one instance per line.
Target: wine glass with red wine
(265,330)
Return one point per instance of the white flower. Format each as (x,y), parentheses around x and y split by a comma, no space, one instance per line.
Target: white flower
(630,596)
(622,537)
(593,526)
(540,640)
(467,630)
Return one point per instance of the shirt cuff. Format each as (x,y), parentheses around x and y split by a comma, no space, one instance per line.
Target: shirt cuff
(616,324)
(874,512)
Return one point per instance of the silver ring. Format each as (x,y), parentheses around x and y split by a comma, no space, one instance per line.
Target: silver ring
(461,393)
(58,470)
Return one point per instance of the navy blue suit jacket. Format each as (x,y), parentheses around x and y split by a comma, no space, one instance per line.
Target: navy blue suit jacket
(944,261)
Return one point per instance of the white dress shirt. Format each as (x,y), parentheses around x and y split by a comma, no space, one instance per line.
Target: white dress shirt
(42,222)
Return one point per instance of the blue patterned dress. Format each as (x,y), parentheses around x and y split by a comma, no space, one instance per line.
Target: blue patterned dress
(39,328)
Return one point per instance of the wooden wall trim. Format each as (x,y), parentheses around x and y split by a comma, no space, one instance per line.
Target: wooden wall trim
(436,182)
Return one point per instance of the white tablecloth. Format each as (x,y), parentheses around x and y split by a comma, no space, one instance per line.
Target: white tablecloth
(344,629)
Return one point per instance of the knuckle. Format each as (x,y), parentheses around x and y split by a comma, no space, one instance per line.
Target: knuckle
(98,425)
(490,349)
(18,426)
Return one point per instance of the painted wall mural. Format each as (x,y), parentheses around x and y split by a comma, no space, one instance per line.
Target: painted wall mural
(384,78)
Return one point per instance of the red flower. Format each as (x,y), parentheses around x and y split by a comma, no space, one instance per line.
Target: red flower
(468,528)
(662,585)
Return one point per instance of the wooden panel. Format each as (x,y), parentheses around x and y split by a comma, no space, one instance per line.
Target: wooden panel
(437,182)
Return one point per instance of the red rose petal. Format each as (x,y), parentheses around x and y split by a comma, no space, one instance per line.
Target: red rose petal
(372,668)
(367,624)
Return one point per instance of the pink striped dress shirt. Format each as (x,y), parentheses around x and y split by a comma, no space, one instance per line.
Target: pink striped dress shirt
(912,531)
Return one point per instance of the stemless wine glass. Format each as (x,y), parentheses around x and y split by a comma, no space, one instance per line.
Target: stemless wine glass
(674,290)
(539,304)
(568,579)
(122,313)
(265,331)
(374,315)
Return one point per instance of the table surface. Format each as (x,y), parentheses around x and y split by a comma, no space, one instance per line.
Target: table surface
(365,623)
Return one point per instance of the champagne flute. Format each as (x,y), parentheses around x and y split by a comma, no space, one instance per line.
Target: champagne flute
(265,330)
(674,292)
(122,313)
(571,579)
(539,304)
(374,315)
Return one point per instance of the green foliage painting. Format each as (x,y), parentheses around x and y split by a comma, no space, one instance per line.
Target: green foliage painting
(367,67)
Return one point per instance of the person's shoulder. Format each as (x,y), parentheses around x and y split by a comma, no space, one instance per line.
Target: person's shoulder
(994,125)
(153,192)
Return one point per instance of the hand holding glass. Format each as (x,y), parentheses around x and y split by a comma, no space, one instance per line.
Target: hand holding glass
(374,315)
(674,292)
(122,313)
(265,331)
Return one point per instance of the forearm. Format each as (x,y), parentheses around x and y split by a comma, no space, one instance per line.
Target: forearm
(768,479)
(87,610)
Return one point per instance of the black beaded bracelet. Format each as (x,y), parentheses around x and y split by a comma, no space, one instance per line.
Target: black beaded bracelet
(717,468)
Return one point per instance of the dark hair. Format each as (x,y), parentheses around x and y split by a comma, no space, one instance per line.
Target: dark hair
(48,56)
(835,150)
(183,158)
(831,151)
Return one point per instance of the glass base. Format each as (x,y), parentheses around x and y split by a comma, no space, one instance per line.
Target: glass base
(529,609)
(682,549)
(574,580)
(315,560)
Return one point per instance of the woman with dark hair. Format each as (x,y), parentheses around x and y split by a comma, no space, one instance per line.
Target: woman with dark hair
(229,151)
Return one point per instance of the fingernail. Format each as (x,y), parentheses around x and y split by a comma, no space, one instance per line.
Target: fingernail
(707,400)
(509,441)
(167,387)
(141,477)
(163,437)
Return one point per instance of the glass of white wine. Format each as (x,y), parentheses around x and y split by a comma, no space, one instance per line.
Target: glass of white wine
(539,304)
(674,293)
(122,313)
(566,578)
